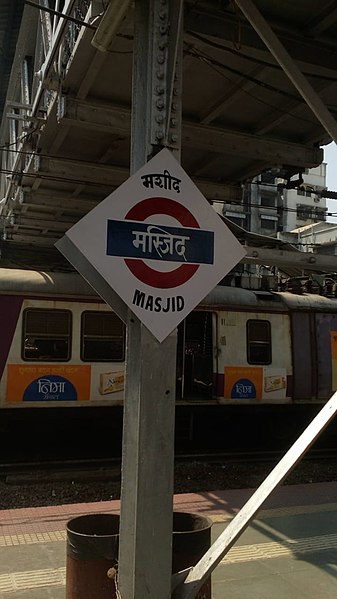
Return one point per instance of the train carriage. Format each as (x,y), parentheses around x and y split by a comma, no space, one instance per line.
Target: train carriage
(61,345)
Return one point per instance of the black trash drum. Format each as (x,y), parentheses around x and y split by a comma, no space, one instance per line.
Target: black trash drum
(92,550)
(191,539)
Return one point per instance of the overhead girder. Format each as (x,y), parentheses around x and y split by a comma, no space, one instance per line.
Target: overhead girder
(102,117)
(322,21)
(86,173)
(61,202)
(288,65)
(278,116)
(306,261)
(304,49)
(28,236)
(41,222)
(234,92)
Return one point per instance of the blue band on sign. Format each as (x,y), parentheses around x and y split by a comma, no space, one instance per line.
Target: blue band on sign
(159,242)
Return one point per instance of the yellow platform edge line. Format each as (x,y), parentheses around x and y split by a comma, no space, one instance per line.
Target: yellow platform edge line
(32,579)
(51,577)
(31,538)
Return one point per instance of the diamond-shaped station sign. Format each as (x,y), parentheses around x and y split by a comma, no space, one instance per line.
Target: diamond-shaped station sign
(157,243)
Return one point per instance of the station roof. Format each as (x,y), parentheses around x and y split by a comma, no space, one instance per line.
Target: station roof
(241,113)
(10,19)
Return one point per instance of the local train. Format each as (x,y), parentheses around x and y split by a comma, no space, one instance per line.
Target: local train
(61,345)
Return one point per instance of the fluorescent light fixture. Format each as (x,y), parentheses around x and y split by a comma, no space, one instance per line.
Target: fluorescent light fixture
(109,25)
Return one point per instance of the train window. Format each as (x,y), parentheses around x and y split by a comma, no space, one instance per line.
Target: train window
(46,335)
(102,337)
(258,342)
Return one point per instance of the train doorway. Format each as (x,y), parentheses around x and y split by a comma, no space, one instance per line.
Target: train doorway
(195,357)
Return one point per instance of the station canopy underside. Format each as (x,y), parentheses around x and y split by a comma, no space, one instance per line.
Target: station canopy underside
(241,112)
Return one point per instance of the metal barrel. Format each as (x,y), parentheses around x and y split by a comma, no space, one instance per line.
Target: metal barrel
(92,552)
(191,539)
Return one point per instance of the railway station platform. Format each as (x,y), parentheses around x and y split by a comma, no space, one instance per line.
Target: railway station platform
(288,551)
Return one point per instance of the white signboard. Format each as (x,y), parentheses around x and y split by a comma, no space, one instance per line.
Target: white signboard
(158,244)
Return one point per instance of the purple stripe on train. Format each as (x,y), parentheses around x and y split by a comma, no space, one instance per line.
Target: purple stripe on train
(10,307)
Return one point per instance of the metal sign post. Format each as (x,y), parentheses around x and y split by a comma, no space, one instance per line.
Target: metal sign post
(145,554)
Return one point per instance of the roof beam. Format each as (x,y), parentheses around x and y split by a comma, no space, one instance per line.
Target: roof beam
(235,92)
(102,117)
(288,65)
(310,52)
(41,222)
(323,23)
(276,117)
(225,141)
(58,202)
(250,170)
(281,258)
(30,236)
(74,171)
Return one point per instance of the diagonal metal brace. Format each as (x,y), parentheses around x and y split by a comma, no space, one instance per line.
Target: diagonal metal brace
(199,573)
(288,65)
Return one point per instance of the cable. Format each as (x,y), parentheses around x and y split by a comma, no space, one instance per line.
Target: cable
(18,140)
(81,182)
(240,54)
(212,63)
(52,156)
(49,178)
(279,209)
(90,183)
(257,82)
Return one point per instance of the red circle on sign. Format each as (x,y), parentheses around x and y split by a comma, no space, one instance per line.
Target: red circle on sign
(143,272)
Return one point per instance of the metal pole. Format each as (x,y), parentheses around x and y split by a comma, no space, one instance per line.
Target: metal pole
(145,553)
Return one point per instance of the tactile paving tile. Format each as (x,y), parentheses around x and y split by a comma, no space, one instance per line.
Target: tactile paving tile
(32,579)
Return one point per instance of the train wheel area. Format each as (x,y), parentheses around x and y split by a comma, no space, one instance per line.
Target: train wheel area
(287,551)
(58,434)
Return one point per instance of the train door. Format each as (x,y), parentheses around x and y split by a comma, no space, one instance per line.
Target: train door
(325,325)
(195,357)
(304,385)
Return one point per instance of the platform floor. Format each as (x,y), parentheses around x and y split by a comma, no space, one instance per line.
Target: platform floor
(288,552)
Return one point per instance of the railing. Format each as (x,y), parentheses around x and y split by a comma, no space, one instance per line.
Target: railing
(73,30)
(35,85)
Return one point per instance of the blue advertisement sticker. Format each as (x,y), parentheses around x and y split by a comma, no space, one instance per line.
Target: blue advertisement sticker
(243,389)
(50,388)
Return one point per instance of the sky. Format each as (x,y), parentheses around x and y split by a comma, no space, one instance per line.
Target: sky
(330,157)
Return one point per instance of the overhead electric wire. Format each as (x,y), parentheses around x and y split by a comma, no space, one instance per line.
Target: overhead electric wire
(240,54)
(51,178)
(218,67)
(60,179)
(95,163)
(19,140)
(230,202)
(251,78)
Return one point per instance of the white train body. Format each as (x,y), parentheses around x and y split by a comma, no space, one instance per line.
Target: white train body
(63,346)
